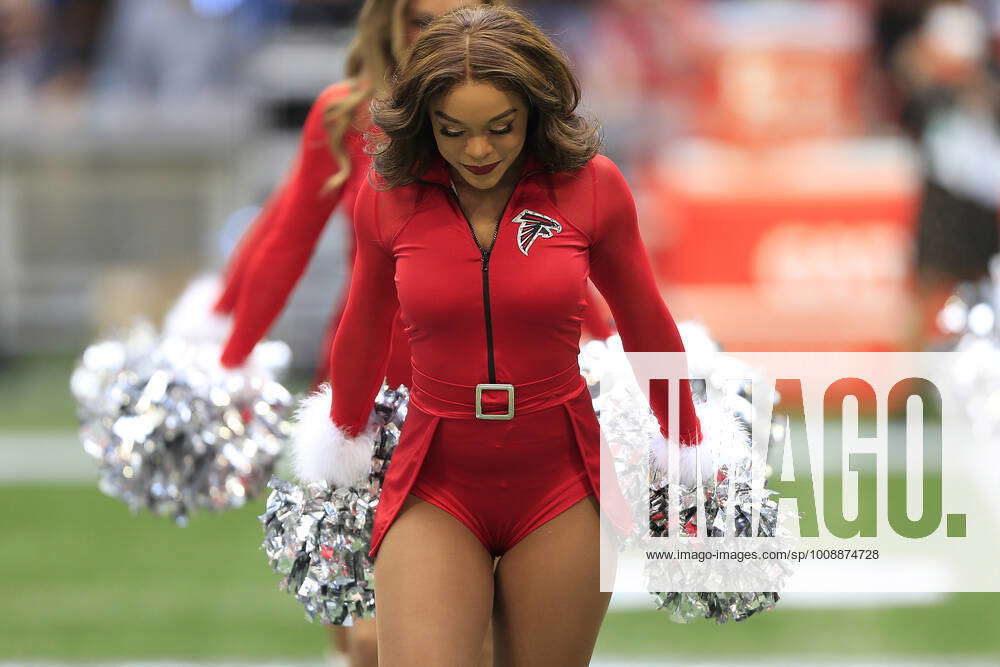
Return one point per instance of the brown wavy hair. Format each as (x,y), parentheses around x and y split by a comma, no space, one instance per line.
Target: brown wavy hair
(379,45)
(494,45)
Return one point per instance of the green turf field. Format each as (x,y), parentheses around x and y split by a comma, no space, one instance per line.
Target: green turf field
(34,394)
(84,579)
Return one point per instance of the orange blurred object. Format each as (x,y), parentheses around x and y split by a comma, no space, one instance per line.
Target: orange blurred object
(806,247)
(779,71)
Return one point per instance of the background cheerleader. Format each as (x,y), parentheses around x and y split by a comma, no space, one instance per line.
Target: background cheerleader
(330,167)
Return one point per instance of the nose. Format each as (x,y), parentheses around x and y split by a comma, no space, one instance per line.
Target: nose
(478,148)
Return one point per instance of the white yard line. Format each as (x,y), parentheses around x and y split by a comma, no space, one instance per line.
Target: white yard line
(55,456)
(51,457)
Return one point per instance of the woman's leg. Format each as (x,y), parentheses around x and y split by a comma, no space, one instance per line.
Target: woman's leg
(486,652)
(362,643)
(433,588)
(549,606)
(337,644)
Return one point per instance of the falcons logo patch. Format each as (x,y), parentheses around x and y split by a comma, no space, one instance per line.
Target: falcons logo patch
(534,226)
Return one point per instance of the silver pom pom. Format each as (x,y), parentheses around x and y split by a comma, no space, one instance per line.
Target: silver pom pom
(317,537)
(727,414)
(723,607)
(172,431)
(99,367)
(730,497)
(972,315)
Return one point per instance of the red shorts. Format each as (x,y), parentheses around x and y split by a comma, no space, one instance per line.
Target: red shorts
(504,479)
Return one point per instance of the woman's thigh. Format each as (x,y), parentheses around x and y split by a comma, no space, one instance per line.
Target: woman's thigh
(433,588)
(548,604)
(362,643)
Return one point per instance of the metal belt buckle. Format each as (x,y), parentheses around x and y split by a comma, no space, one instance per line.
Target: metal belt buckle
(509,388)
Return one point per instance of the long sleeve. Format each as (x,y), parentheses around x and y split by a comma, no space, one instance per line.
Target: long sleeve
(597,318)
(361,347)
(275,256)
(620,269)
(252,239)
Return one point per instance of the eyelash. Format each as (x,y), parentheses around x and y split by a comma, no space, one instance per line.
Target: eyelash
(505,130)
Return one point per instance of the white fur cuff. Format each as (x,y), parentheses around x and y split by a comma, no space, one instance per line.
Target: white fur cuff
(321,451)
(192,317)
(693,459)
(724,440)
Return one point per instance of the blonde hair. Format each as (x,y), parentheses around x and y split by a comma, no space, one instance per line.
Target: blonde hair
(378,48)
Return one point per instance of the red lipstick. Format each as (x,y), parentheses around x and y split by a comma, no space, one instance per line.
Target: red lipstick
(479,171)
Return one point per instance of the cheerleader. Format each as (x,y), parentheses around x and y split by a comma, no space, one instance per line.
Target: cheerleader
(329,168)
(490,209)
(327,172)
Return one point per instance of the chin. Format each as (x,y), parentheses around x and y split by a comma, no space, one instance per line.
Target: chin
(491,179)
(485,183)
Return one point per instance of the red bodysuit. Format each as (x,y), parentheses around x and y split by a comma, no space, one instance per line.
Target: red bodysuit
(509,315)
(274,254)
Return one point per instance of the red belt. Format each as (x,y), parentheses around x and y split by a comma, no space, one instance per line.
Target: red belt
(493,401)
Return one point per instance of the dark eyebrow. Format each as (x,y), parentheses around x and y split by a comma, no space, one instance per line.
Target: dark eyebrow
(492,120)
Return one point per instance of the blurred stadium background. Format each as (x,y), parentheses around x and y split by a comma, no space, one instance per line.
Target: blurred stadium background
(786,157)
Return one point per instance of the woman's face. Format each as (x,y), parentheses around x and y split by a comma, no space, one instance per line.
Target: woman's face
(419,14)
(480,131)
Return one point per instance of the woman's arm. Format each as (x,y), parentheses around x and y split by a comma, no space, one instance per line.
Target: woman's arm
(252,239)
(332,439)
(620,269)
(597,318)
(360,351)
(271,260)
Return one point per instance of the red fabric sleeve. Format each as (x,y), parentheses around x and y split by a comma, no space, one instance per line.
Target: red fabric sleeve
(620,269)
(321,373)
(281,244)
(237,265)
(597,318)
(361,347)
(399,369)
